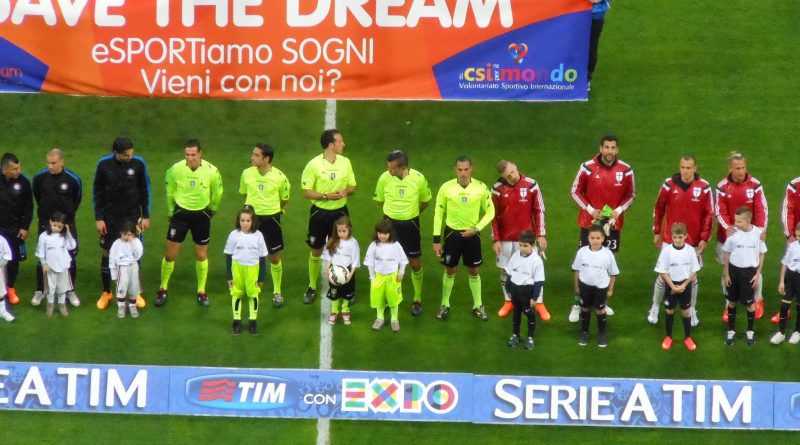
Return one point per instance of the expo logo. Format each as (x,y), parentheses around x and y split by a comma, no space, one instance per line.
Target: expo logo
(405,396)
(239,392)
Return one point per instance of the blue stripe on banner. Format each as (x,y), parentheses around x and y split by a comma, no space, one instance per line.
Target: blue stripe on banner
(368,395)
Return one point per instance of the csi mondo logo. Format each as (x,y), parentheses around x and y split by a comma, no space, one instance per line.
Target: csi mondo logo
(240,392)
(405,396)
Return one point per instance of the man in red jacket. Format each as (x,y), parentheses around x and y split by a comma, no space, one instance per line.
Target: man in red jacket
(519,207)
(790,216)
(603,182)
(739,189)
(687,198)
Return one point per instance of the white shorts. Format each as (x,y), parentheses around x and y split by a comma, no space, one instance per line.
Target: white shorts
(58,283)
(507,249)
(128,280)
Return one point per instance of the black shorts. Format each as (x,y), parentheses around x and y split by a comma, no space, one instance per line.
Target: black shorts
(740,289)
(270,228)
(113,226)
(457,247)
(183,221)
(791,284)
(408,234)
(611,241)
(346,291)
(592,296)
(19,251)
(320,224)
(521,296)
(684,299)
(72,229)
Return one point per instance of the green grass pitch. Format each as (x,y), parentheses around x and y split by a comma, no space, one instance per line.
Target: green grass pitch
(674,77)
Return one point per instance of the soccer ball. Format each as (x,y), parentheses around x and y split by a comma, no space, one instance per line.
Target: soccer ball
(337,274)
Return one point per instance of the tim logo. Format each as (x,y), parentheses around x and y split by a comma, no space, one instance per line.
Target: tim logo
(239,392)
(391,396)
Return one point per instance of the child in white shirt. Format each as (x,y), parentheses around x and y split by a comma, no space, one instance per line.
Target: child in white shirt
(595,274)
(123,263)
(52,251)
(245,254)
(386,262)
(525,271)
(678,265)
(341,250)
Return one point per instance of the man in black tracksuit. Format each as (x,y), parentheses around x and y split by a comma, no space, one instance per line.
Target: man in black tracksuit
(16,202)
(121,194)
(57,189)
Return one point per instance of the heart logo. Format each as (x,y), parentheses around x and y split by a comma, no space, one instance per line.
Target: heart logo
(518,51)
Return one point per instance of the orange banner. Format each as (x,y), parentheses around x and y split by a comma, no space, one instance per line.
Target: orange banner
(297,49)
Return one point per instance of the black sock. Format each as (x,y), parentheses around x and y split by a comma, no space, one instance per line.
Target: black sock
(784,315)
(531,314)
(601,323)
(796,318)
(105,274)
(731,318)
(585,319)
(39,277)
(751,318)
(687,326)
(12,268)
(669,320)
(516,318)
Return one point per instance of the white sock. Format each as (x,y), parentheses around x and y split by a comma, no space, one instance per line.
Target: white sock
(62,299)
(51,298)
(503,280)
(540,300)
(658,291)
(759,286)
(695,289)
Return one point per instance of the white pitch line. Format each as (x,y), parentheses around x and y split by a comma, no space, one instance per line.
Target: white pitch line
(325,330)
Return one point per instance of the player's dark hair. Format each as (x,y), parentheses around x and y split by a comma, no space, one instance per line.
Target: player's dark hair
(121,145)
(384,226)
(266,150)
(58,217)
(247,210)
(463,158)
(527,237)
(746,212)
(689,157)
(8,158)
(129,227)
(193,143)
(333,240)
(398,157)
(327,137)
(596,228)
(609,138)
(678,228)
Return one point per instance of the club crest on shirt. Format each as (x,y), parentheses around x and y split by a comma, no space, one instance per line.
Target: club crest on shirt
(131,172)
(192,183)
(64,186)
(260,186)
(333,176)
(619,176)
(17,186)
(523,192)
(401,192)
(750,193)
(696,191)
(463,199)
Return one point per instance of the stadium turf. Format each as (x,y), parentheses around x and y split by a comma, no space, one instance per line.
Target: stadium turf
(673,77)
